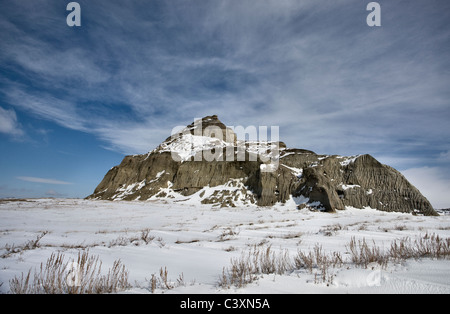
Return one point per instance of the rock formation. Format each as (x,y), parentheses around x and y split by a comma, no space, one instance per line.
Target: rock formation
(205,162)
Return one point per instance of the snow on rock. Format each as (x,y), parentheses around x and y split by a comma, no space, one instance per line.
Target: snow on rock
(128,190)
(350,186)
(298,172)
(188,145)
(208,154)
(347,160)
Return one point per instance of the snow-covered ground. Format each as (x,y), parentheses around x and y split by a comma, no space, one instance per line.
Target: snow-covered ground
(196,242)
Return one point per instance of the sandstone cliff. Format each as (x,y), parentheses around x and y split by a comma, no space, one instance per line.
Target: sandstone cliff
(206,163)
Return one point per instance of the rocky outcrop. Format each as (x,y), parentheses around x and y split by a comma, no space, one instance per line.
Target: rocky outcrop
(206,163)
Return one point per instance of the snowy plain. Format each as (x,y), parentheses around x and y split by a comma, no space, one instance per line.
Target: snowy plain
(195,242)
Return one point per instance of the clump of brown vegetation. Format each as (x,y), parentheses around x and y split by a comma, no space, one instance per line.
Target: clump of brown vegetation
(263,260)
(163,282)
(82,276)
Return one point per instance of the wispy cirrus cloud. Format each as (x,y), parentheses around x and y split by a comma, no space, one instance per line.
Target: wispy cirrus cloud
(9,124)
(332,84)
(131,73)
(43,180)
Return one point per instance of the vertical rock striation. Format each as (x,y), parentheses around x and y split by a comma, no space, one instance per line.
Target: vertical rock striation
(206,162)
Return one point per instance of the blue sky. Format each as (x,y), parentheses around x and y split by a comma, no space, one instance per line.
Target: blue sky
(75,100)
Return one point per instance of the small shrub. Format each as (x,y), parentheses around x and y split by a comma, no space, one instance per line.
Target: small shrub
(80,277)
(331,230)
(362,254)
(400,227)
(294,235)
(143,238)
(262,260)
(431,246)
(146,237)
(257,261)
(163,275)
(318,262)
(29,245)
(227,235)
(163,282)
(33,244)
(230,249)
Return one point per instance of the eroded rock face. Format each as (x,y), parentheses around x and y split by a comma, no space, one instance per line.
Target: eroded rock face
(221,170)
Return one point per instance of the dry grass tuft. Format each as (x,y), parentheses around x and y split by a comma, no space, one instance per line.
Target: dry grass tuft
(362,254)
(431,246)
(29,245)
(262,260)
(257,261)
(163,282)
(82,276)
(426,246)
(318,262)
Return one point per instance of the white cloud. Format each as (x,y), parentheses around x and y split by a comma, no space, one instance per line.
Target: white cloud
(9,124)
(444,156)
(432,184)
(131,139)
(46,107)
(331,87)
(43,180)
